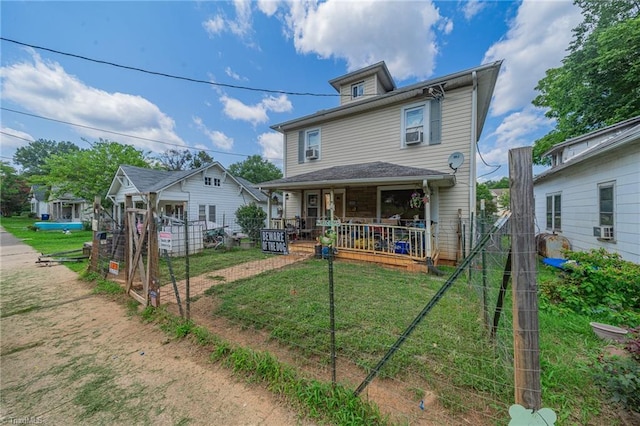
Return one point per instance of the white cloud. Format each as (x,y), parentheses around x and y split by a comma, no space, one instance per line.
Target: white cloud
(365,32)
(217,138)
(268,7)
(514,131)
(241,26)
(215,25)
(255,114)
(272,146)
(471,8)
(12,138)
(537,40)
(232,74)
(44,88)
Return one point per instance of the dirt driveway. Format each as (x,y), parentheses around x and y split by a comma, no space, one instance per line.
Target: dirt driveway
(70,357)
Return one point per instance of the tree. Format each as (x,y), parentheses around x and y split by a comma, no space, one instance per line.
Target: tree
(33,156)
(598,83)
(89,172)
(173,159)
(484,193)
(14,191)
(496,184)
(255,170)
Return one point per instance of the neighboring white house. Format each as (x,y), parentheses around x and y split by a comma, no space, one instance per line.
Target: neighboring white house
(591,193)
(364,160)
(64,208)
(208,194)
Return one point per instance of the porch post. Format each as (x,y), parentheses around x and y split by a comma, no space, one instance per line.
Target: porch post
(427,217)
(268,209)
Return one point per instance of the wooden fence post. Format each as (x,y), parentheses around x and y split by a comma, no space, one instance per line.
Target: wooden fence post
(525,294)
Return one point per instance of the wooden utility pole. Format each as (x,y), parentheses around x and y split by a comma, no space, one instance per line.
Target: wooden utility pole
(525,290)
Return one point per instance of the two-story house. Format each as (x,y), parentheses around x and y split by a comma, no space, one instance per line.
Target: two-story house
(591,193)
(395,166)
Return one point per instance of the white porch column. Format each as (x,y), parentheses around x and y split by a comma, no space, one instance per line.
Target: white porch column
(427,217)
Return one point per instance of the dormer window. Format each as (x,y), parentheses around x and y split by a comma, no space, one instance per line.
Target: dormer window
(357,90)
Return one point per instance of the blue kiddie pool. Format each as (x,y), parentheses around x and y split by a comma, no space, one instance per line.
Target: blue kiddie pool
(59,226)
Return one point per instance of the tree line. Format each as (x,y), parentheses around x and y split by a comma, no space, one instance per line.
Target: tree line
(63,168)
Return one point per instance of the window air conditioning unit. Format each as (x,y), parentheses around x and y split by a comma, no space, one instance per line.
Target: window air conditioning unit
(411,138)
(311,154)
(603,232)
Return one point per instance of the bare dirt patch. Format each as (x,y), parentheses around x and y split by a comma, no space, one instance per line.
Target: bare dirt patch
(68,357)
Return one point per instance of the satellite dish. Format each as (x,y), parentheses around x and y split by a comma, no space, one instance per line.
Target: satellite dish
(455,160)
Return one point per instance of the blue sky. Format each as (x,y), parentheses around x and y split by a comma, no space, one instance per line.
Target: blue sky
(281,46)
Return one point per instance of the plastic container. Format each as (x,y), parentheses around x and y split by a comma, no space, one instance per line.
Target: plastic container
(44,216)
(402,247)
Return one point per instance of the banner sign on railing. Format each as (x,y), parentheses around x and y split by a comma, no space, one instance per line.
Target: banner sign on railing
(274,241)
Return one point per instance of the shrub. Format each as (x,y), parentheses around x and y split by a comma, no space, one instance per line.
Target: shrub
(251,219)
(621,378)
(598,284)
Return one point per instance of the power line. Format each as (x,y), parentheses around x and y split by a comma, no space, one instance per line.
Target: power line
(162,74)
(17,137)
(120,134)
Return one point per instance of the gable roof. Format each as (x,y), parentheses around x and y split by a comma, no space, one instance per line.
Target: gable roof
(150,180)
(251,187)
(360,174)
(627,136)
(484,76)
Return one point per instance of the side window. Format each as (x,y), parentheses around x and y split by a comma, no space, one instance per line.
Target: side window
(202,212)
(207,181)
(554,212)
(357,90)
(212,213)
(606,204)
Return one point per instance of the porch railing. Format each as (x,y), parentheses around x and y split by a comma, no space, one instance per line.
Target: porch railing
(374,238)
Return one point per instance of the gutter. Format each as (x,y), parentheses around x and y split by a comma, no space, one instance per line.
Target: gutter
(445,180)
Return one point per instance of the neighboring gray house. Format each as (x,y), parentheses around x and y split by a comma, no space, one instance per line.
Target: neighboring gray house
(208,194)
(363,160)
(591,193)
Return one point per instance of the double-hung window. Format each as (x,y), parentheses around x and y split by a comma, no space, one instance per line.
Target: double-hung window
(357,90)
(554,212)
(605,202)
(421,123)
(308,145)
(202,213)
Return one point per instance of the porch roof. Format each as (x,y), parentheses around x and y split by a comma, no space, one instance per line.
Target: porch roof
(376,173)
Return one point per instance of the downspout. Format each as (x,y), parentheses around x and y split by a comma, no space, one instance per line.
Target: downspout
(472,151)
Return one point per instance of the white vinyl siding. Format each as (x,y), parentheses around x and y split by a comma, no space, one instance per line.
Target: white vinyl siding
(374,137)
(581,201)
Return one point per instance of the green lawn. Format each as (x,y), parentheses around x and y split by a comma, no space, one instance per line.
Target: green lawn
(449,352)
(47,242)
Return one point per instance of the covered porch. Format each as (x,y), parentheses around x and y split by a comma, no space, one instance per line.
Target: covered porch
(378,212)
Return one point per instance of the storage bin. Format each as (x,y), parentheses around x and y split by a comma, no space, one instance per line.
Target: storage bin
(402,247)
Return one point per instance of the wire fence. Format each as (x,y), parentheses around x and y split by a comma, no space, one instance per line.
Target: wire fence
(455,366)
